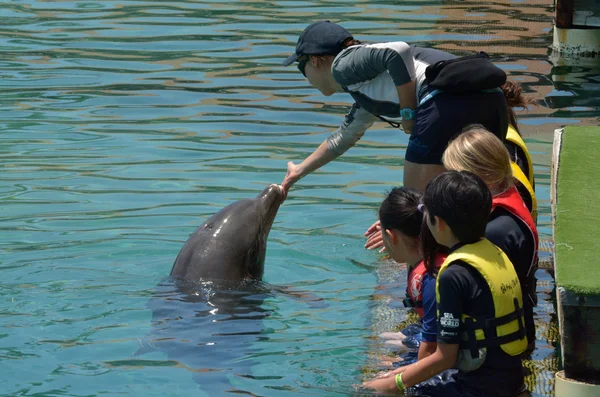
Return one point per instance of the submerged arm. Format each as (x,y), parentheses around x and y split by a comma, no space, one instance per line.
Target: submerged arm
(442,359)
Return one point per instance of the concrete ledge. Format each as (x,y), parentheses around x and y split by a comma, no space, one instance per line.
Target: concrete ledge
(577,42)
(564,387)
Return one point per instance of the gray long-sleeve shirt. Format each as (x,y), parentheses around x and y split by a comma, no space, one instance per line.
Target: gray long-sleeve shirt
(370,73)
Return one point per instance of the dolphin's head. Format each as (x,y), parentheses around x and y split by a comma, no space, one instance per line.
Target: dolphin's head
(231,245)
(268,202)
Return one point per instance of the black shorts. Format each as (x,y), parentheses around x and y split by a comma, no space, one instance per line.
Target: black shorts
(442,117)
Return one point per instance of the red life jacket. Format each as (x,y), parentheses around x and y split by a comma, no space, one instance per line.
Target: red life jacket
(414,289)
(512,201)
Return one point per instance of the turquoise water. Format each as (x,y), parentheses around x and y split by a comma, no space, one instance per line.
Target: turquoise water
(126,123)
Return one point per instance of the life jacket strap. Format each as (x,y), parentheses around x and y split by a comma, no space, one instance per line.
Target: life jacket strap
(489,328)
(471,327)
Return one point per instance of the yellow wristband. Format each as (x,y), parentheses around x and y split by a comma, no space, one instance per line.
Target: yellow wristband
(399,382)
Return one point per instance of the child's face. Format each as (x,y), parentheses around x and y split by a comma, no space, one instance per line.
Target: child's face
(400,246)
(435,228)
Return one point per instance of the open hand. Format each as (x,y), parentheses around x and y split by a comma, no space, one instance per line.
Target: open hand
(383,384)
(375,237)
(292,176)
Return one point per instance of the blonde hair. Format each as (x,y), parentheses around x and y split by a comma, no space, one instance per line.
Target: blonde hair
(479,151)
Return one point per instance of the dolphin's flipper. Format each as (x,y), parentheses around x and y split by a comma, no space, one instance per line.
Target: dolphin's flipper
(312,300)
(145,347)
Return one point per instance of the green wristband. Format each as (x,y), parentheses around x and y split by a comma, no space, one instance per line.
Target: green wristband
(399,382)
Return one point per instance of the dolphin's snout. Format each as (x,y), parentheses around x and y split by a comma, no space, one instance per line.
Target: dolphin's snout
(279,188)
(272,194)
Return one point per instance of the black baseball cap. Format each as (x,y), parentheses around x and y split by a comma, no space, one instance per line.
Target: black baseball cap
(320,38)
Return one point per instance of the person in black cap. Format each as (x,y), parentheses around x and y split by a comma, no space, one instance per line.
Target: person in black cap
(387,82)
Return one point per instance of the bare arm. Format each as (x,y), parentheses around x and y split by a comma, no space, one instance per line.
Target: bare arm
(444,358)
(408,99)
(426,349)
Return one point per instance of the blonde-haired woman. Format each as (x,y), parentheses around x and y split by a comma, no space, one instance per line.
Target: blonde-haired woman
(511,226)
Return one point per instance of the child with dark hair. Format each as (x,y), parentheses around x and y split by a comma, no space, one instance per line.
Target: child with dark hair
(401,223)
(479,301)
(511,227)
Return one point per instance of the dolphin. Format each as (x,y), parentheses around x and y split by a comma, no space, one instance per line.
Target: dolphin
(231,245)
(208,314)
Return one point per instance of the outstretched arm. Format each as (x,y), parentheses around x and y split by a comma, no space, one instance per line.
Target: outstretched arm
(356,122)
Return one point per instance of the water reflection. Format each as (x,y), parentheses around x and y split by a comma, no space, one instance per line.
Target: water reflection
(193,324)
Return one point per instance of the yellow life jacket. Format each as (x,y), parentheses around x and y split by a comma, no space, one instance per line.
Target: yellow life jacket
(513,136)
(507,328)
(527,183)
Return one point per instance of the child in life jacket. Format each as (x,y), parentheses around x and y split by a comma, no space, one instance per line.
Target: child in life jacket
(401,224)
(478,298)
(511,226)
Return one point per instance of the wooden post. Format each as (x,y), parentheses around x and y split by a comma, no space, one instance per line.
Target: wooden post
(564,14)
